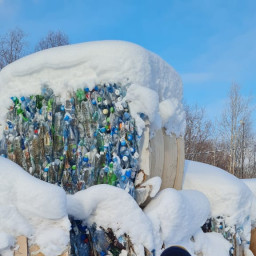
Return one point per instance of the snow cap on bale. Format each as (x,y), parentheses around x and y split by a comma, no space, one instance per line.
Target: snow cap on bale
(154,83)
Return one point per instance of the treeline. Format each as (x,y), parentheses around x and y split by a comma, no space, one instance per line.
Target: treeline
(14,45)
(228,142)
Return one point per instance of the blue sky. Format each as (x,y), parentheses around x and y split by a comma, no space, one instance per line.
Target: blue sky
(210,43)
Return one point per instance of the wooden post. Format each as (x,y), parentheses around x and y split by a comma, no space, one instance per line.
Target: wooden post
(170,161)
(253,242)
(144,160)
(163,156)
(180,163)
(22,242)
(34,250)
(238,248)
(157,154)
(25,250)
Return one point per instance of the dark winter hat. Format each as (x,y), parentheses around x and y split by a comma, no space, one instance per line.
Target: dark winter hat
(175,251)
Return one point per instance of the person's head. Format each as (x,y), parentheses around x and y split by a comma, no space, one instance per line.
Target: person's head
(175,251)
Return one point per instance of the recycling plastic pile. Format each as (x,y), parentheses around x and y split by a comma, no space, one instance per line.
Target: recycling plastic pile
(232,234)
(91,139)
(97,241)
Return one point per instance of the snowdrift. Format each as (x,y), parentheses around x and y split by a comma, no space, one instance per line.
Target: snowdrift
(33,208)
(231,201)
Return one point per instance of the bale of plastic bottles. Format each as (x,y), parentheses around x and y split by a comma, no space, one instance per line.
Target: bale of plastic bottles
(89,139)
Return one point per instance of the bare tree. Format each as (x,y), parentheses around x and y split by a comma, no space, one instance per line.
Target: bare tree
(52,39)
(12,46)
(198,144)
(235,127)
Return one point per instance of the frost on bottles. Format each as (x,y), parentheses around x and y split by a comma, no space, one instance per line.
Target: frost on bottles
(88,139)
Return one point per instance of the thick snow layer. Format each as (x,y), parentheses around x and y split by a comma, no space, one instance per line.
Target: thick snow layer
(28,194)
(229,197)
(112,207)
(177,216)
(85,65)
(31,207)
(211,244)
(251,183)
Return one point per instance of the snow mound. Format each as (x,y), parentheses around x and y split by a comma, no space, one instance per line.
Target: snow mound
(112,207)
(30,196)
(229,196)
(88,64)
(176,216)
(251,183)
(211,244)
(31,207)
